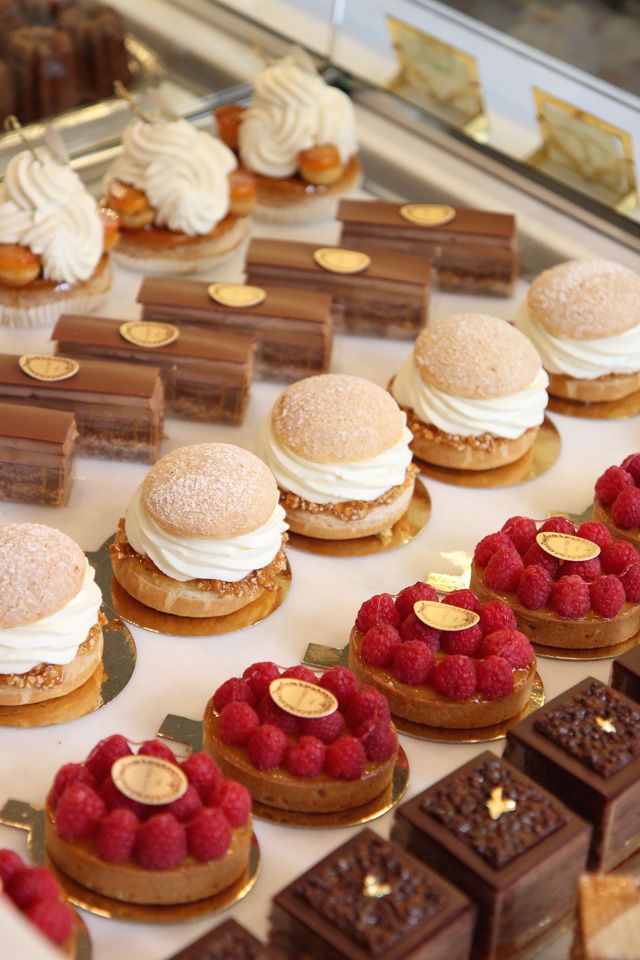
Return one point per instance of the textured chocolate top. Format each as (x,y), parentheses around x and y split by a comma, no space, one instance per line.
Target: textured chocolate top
(56,427)
(461,805)
(228,941)
(335,889)
(381,213)
(596,727)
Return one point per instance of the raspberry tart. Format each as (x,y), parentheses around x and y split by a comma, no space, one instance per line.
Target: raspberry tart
(617,500)
(144,850)
(302,762)
(564,603)
(35,892)
(475,676)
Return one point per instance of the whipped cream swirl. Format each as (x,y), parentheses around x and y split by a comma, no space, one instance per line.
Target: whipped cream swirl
(335,482)
(45,207)
(190,558)
(293,109)
(506,417)
(53,639)
(183,172)
(582,359)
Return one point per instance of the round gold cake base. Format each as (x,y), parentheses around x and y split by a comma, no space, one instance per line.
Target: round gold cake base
(178,913)
(537,460)
(613,410)
(345,818)
(594,653)
(407,527)
(83,948)
(477,734)
(110,679)
(140,615)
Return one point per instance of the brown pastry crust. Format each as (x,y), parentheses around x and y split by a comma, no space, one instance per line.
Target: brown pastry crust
(614,386)
(143,250)
(548,629)
(423,704)
(140,577)
(293,199)
(40,292)
(281,789)
(602,515)
(131,883)
(48,681)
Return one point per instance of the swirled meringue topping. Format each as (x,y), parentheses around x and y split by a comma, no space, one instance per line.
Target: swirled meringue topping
(53,639)
(205,558)
(293,109)
(183,172)
(44,206)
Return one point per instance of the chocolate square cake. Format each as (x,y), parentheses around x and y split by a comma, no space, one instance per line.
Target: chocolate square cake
(227,941)
(36,453)
(625,674)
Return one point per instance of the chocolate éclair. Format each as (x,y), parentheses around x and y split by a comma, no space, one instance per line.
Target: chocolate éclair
(375,292)
(36,454)
(293,332)
(206,374)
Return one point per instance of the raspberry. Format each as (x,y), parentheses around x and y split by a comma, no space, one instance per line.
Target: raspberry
(104,755)
(54,918)
(185,806)
(201,771)
(306,757)
(607,596)
(410,595)
(617,555)
(71,773)
(490,545)
(9,863)
(463,641)
(380,742)
(630,580)
(368,706)
(29,884)
(455,677)
(270,712)
(462,598)
(612,482)
(267,747)
(154,748)
(632,465)
(587,569)
(536,556)
(494,676)
(346,759)
(300,672)
(625,511)
(78,812)
(209,834)
(496,615)
(341,683)
(233,690)
(378,609)
(237,722)
(594,531)
(260,676)
(511,645)
(521,531)
(558,525)
(503,570)
(412,628)
(161,842)
(535,587)
(116,835)
(235,802)
(412,663)
(379,645)
(114,800)
(326,728)
(570,597)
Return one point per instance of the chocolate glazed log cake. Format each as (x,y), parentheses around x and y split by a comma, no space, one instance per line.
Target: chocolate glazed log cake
(118,407)
(36,453)
(206,375)
(472,251)
(294,332)
(375,293)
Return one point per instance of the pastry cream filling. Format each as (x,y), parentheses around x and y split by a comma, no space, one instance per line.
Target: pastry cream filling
(53,639)
(506,417)
(45,207)
(203,558)
(335,482)
(183,172)
(583,359)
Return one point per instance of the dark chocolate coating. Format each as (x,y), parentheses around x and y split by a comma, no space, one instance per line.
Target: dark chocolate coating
(625,674)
